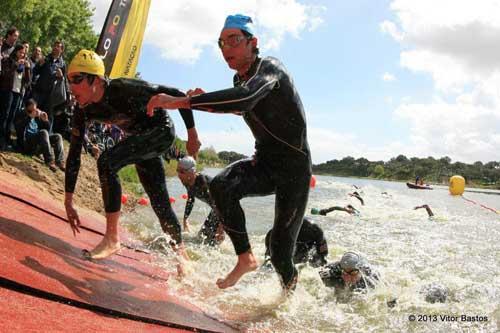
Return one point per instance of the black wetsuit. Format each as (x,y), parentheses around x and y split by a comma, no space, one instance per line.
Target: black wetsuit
(331,209)
(357,196)
(147,138)
(311,245)
(200,190)
(272,108)
(331,275)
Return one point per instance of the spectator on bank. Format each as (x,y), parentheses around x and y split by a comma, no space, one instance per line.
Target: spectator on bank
(14,78)
(29,65)
(9,42)
(35,59)
(52,90)
(33,135)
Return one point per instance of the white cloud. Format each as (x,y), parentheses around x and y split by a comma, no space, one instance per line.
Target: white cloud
(390,28)
(461,130)
(326,145)
(456,43)
(388,77)
(182,29)
(101,8)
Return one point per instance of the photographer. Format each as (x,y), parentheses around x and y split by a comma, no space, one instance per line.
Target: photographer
(33,136)
(14,78)
(51,90)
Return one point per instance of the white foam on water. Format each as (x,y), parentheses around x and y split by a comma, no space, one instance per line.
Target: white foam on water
(458,249)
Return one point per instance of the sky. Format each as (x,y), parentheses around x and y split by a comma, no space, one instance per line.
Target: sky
(377,78)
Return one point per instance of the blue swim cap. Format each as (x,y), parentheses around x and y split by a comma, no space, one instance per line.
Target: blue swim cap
(239,21)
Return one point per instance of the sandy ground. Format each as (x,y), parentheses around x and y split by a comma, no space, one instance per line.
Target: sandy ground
(34,173)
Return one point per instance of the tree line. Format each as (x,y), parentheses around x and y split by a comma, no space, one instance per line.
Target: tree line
(401,168)
(41,22)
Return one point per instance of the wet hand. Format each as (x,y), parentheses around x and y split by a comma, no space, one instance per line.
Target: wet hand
(193,144)
(73,218)
(192,147)
(96,151)
(194,92)
(164,101)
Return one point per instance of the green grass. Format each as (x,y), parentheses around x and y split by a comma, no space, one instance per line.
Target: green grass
(130,180)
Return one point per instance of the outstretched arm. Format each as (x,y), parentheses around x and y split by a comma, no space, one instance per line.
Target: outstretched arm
(193,143)
(331,209)
(73,168)
(242,98)
(427,208)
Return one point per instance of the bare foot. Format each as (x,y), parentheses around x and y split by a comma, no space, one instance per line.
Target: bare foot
(104,249)
(182,259)
(180,271)
(246,263)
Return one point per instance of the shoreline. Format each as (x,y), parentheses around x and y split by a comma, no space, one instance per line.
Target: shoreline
(471,186)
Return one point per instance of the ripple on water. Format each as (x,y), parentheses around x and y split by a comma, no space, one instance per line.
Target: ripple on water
(459,249)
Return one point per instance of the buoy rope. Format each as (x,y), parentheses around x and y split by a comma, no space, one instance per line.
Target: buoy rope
(481,205)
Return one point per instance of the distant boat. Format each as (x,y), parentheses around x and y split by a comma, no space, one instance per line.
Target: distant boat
(418,187)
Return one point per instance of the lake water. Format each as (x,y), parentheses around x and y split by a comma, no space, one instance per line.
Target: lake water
(459,249)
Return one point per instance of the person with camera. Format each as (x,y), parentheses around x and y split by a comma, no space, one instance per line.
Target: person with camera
(34,138)
(14,78)
(52,91)
(8,43)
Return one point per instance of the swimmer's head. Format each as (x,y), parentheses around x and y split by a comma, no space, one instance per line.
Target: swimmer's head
(186,168)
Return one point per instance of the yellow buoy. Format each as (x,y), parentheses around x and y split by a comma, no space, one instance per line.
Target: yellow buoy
(457,185)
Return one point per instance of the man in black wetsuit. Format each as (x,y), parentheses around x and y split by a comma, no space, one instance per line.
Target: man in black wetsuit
(264,94)
(348,209)
(197,184)
(311,245)
(352,272)
(123,102)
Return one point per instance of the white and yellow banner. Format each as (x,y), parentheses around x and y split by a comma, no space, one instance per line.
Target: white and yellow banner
(121,37)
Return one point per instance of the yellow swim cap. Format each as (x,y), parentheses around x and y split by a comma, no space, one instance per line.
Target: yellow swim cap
(86,61)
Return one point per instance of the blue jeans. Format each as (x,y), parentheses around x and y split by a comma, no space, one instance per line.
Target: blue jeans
(5,104)
(50,145)
(15,106)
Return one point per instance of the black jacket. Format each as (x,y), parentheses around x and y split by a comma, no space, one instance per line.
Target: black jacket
(46,74)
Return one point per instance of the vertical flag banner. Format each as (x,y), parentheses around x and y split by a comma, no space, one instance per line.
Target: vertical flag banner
(121,37)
